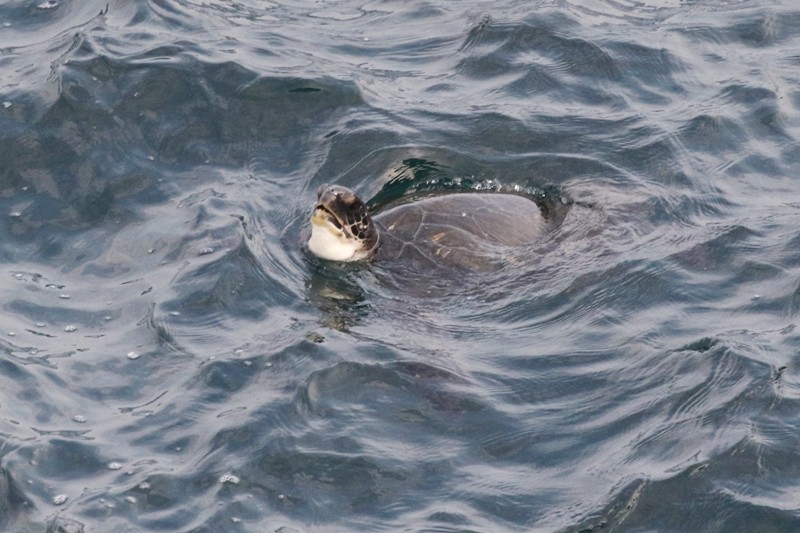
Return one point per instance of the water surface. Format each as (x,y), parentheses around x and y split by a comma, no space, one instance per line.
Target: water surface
(173,359)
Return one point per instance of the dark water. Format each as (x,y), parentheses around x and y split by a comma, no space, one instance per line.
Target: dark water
(173,360)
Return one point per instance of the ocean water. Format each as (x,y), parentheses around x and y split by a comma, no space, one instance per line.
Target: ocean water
(173,358)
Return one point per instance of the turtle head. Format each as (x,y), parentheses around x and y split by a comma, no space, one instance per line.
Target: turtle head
(341,228)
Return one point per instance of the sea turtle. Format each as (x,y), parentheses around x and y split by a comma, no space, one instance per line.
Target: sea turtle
(470,231)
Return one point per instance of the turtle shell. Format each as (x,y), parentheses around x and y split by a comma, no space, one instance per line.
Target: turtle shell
(461,232)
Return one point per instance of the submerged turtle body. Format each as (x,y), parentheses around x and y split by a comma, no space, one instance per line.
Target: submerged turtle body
(462,231)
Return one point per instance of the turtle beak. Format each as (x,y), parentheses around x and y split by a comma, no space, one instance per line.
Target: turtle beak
(323,217)
(324,210)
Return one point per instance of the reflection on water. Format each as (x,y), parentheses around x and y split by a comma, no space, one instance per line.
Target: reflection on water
(173,359)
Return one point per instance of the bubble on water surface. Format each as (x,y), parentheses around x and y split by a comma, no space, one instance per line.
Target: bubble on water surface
(80,419)
(114,465)
(59,499)
(133,355)
(64,296)
(71,328)
(229,478)
(207,250)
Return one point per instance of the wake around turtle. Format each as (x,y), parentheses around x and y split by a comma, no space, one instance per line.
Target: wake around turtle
(470,231)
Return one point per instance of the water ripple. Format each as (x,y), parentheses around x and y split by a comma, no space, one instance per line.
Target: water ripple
(176,360)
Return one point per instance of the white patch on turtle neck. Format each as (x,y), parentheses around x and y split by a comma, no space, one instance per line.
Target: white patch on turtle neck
(333,246)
